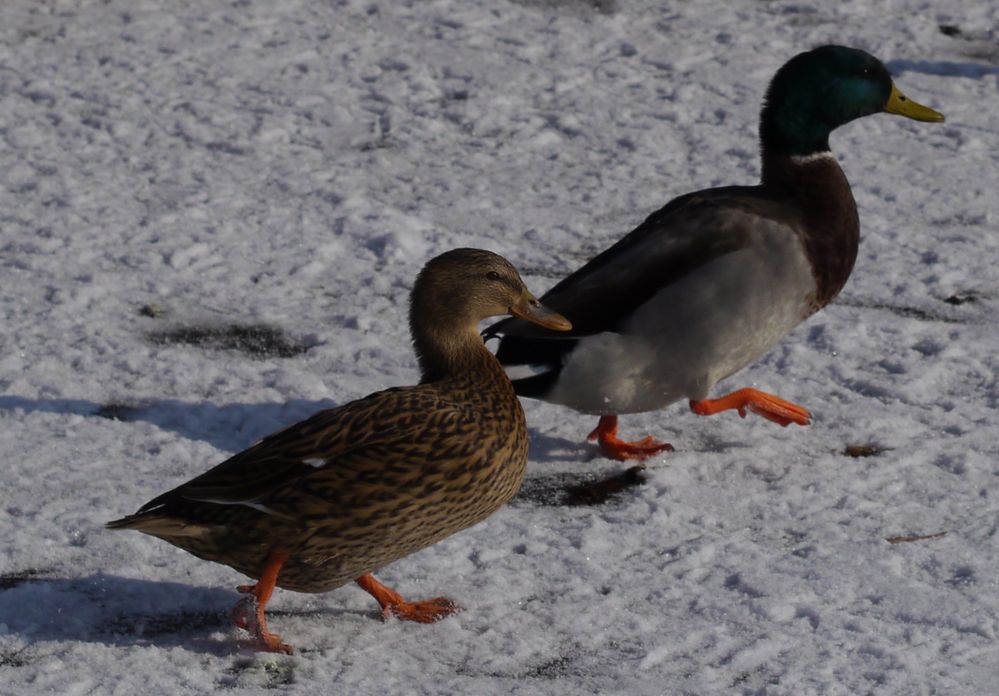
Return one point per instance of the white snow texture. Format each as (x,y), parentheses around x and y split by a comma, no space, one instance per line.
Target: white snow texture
(174,174)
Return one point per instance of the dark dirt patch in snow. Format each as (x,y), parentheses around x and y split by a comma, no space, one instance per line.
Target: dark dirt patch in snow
(857,451)
(905,312)
(116,412)
(8,581)
(256,341)
(579,489)
(961,298)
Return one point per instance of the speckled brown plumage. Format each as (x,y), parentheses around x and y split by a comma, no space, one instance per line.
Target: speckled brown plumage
(356,487)
(444,456)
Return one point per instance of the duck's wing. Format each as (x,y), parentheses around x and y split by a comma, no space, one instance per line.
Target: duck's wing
(670,245)
(359,441)
(675,241)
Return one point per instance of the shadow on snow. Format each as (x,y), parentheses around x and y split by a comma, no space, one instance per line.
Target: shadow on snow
(234,427)
(124,611)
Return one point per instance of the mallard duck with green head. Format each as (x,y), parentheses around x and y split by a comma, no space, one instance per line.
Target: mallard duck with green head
(337,496)
(713,280)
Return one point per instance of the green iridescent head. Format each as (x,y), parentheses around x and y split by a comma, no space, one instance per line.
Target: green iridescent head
(820,90)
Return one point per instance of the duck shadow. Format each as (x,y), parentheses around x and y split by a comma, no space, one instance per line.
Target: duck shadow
(942,68)
(121,611)
(234,427)
(548,448)
(229,427)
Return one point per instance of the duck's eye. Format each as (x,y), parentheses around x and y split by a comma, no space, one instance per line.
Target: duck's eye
(493,275)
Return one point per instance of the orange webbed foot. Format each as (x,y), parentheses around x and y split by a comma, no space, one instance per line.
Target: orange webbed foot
(425,611)
(606,436)
(392,603)
(771,407)
(248,613)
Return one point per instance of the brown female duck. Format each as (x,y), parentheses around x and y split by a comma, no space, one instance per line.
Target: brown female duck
(339,495)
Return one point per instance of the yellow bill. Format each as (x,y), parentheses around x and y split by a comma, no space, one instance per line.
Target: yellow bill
(900,104)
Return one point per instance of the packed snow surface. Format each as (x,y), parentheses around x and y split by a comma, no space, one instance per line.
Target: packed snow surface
(211,214)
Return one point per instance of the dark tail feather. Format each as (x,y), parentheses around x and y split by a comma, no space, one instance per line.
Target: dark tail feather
(549,352)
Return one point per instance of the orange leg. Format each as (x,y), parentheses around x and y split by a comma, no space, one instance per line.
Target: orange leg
(606,435)
(762,404)
(393,604)
(249,611)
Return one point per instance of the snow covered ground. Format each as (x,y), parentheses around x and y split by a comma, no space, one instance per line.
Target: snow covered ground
(211,214)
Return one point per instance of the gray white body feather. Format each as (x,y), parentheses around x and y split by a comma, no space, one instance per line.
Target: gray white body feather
(726,276)
(705,327)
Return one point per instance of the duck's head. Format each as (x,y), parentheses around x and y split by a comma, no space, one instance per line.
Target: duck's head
(462,287)
(819,90)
